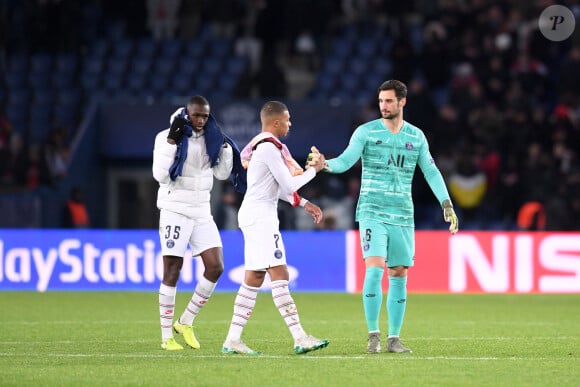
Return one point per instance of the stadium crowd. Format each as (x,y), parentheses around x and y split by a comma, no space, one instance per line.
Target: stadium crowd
(499,103)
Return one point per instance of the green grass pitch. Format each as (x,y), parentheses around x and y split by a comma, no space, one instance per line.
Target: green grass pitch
(113,339)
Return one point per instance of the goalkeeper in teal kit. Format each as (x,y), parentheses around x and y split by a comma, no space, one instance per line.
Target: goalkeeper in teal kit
(390,149)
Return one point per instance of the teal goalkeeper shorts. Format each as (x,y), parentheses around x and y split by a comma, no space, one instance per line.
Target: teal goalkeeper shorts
(395,243)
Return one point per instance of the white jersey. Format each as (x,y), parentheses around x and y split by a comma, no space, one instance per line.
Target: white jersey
(268,180)
(189,194)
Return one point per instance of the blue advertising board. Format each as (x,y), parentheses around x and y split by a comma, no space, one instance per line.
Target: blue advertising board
(130,260)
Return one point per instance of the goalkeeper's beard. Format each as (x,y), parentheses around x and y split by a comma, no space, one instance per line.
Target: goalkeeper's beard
(390,116)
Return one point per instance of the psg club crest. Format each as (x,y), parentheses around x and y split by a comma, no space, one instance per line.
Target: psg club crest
(170,243)
(409,146)
(278,254)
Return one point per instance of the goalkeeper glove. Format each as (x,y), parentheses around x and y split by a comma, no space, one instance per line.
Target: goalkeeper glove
(176,129)
(449,216)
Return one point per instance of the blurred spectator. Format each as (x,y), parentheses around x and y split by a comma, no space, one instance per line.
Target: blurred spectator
(532,217)
(403,56)
(271,79)
(32,171)
(435,60)
(246,43)
(162,18)
(226,214)
(468,186)
(75,214)
(509,189)
(223,16)
(422,111)
(6,134)
(306,49)
(57,154)
(190,18)
(569,80)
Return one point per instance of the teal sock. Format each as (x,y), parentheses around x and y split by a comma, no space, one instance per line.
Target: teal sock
(396,303)
(373,296)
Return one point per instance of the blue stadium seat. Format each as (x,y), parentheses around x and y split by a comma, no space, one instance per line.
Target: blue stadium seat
(163,66)
(99,48)
(382,66)
(44,97)
(236,65)
(41,63)
(65,63)
(205,84)
(365,48)
(158,83)
(122,47)
(119,95)
(219,48)
(333,65)
(145,47)
(90,82)
(211,66)
(92,65)
(135,81)
(18,96)
(116,65)
(372,80)
(41,110)
(342,96)
(139,65)
(342,47)
(170,48)
(67,116)
(181,84)
(62,80)
(364,96)
(16,112)
(226,83)
(112,81)
(18,63)
(186,65)
(358,66)
(194,48)
(15,79)
(326,82)
(40,80)
(350,83)
(69,97)
(40,122)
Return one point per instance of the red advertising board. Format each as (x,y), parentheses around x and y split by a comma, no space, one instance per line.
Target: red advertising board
(484,262)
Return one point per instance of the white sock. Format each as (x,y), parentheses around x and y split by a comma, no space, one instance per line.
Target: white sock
(166,309)
(285,304)
(243,308)
(202,293)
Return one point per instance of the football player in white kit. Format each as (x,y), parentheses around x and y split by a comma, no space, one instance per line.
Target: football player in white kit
(185,161)
(272,174)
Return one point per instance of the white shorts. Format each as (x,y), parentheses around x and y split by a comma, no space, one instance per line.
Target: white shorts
(176,231)
(263,245)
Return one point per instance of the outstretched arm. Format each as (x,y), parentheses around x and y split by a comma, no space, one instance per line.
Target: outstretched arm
(349,156)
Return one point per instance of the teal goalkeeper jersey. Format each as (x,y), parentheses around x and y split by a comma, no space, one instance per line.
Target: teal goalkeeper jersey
(388,165)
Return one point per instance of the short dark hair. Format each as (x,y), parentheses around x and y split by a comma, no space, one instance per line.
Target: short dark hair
(271,108)
(392,84)
(198,100)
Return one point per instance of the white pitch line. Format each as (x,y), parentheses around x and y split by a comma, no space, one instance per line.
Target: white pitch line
(408,357)
(467,338)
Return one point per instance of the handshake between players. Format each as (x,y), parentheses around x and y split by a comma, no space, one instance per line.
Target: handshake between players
(315,160)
